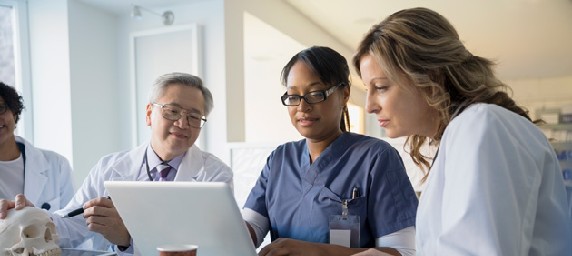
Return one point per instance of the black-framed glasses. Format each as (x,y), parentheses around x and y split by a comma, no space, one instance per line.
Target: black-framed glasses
(174,113)
(3,109)
(310,98)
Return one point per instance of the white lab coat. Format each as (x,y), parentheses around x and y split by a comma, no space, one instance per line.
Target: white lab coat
(47,178)
(496,188)
(196,165)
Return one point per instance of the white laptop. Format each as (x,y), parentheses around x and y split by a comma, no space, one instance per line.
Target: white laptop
(199,213)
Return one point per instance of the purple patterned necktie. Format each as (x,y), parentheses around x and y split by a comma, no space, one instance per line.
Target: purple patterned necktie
(164,170)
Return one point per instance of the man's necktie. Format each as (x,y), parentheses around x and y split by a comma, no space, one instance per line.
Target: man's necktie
(164,170)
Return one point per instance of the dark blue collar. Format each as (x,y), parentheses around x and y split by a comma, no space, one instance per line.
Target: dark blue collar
(22,148)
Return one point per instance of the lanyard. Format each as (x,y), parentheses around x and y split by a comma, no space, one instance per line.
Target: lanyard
(22,148)
(147,166)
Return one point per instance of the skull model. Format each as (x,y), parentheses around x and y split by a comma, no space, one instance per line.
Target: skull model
(28,232)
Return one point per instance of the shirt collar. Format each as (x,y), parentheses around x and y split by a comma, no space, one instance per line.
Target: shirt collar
(154,160)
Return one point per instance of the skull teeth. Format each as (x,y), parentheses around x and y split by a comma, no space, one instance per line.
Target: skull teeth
(51,252)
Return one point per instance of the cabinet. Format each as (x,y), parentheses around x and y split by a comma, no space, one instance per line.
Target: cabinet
(557,132)
(564,154)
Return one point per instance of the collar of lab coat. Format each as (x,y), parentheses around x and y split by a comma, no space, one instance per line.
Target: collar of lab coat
(35,168)
(130,166)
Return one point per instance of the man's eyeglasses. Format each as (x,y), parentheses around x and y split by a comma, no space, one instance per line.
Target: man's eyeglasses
(174,113)
(311,98)
(3,109)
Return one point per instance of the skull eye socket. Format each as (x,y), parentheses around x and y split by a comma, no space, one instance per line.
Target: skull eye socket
(48,235)
(30,231)
(19,250)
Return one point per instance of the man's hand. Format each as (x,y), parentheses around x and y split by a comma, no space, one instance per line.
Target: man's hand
(19,202)
(102,217)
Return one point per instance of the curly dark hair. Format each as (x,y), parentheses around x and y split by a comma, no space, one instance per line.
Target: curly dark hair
(12,100)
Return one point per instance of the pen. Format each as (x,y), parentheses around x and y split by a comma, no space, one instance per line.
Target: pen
(77,211)
(355,193)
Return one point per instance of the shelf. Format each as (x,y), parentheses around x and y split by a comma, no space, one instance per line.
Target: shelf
(556,127)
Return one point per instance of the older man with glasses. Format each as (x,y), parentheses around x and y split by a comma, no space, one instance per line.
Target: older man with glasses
(176,112)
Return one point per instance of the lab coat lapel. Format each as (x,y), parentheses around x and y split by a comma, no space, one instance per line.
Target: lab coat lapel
(35,174)
(190,166)
(128,167)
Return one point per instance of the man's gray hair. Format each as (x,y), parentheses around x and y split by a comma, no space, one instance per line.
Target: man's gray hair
(184,79)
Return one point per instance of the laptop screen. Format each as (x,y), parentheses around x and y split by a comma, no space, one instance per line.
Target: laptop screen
(165,213)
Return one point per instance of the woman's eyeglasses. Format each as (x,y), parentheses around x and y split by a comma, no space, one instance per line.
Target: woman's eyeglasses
(310,98)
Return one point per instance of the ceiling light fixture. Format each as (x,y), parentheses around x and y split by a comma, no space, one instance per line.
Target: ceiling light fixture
(168,16)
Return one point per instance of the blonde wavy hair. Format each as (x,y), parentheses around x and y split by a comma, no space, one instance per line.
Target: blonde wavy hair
(420,47)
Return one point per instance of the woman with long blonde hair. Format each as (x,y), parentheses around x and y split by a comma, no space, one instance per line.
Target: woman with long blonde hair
(495,186)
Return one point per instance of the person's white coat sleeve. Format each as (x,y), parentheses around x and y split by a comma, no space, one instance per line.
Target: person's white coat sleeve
(73,232)
(259,224)
(479,180)
(402,240)
(495,189)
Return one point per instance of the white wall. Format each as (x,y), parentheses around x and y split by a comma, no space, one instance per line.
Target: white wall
(50,65)
(234,71)
(74,81)
(94,96)
(551,92)
(274,32)
(267,120)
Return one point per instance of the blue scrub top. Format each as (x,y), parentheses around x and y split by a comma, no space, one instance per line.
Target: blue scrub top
(298,197)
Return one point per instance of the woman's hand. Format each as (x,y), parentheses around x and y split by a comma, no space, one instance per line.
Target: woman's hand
(19,202)
(292,247)
(371,252)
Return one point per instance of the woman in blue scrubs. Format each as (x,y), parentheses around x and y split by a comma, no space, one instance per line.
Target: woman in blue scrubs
(304,183)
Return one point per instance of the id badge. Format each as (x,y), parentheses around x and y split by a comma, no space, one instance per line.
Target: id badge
(344,229)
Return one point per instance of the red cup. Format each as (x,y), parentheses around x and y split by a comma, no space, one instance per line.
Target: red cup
(178,250)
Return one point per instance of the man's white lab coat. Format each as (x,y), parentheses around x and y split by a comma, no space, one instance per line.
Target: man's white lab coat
(196,165)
